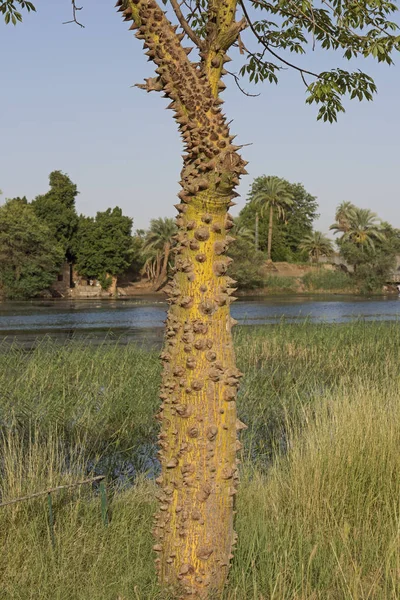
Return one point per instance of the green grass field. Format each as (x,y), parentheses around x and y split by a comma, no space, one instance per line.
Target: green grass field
(318,513)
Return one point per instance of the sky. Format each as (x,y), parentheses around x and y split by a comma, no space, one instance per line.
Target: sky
(67,103)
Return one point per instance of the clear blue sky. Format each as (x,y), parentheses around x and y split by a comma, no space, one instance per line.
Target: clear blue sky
(66,103)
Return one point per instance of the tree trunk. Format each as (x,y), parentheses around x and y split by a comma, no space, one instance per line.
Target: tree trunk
(256,233)
(113,287)
(163,274)
(198,437)
(271,217)
(156,271)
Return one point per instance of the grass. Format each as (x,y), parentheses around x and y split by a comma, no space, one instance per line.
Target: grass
(319,506)
(106,395)
(321,279)
(283,283)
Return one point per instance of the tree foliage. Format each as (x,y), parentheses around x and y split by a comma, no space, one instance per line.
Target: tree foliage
(29,254)
(288,234)
(344,215)
(247,264)
(10,9)
(57,209)
(104,244)
(316,244)
(158,243)
(367,244)
(273,193)
(161,232)
(361,227)
(274,198)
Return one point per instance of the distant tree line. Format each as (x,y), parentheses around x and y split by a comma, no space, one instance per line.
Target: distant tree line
(271,227)
(368,244)
(37,237)
(275,225)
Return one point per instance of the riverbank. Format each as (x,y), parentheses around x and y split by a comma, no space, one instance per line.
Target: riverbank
(320,466)
(284,278)
(278,279)
(274,279)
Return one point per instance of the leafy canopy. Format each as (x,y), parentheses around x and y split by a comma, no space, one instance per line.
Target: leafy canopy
(362,227)
(288,235)
(57,209)
(278,29)
(160,233)
(29,254)
(367,244)
(10,9)
(273,194)
(104,244)
(317,244)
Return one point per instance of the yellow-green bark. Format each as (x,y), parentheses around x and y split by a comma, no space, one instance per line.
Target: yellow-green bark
(198,416)
(198,437)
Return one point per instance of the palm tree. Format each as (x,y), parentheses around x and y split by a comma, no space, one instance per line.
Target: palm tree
(316,244)
(362,227)
(274,196)
(345,213)
(242,232)
(157,246)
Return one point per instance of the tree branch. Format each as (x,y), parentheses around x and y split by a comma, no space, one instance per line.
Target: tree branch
(237,79)
(196,109)
(222,32)
(74,11)
(163,47)
(185,25)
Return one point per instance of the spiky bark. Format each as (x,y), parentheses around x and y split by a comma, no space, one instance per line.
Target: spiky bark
(198,438)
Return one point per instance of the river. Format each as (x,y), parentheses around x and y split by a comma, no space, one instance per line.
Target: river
(141,319)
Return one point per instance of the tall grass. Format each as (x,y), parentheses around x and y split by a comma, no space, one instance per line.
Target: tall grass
(106,395)
(89,561)
(318,510)
(280,283)
(324,522)
(321,279)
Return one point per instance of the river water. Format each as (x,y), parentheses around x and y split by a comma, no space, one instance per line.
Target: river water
(141,319)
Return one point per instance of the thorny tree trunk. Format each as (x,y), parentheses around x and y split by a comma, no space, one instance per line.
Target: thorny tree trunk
(198,438)
(271,218)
